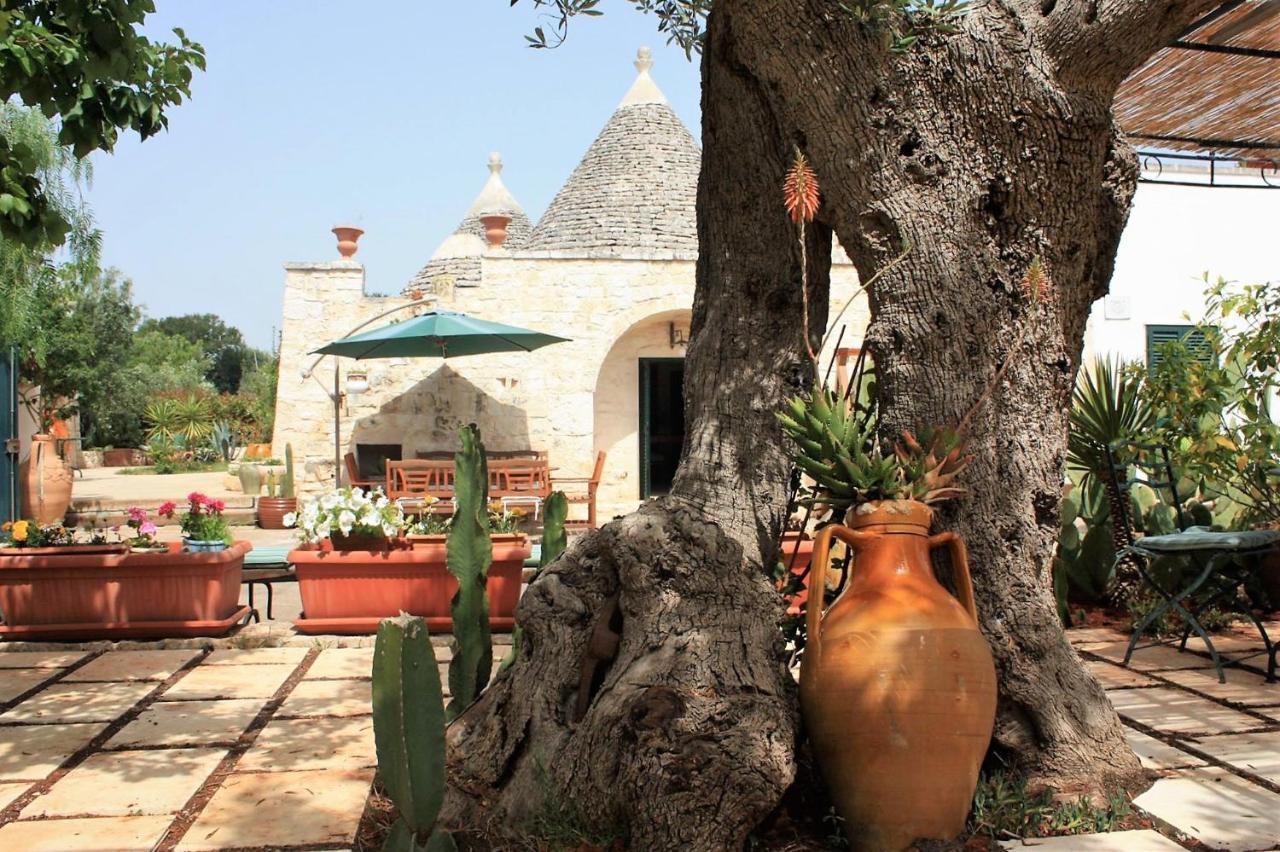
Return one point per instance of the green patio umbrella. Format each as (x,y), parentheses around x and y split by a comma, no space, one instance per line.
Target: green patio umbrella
(438,334)
(434,334)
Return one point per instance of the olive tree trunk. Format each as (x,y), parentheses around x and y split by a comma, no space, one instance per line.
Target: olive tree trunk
(982,150)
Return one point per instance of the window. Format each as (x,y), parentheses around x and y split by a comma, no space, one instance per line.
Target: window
(1190,336)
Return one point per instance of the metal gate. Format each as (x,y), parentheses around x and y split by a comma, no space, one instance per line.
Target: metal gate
(9,435)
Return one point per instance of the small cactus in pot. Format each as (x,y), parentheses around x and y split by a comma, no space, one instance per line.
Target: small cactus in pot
(281,498)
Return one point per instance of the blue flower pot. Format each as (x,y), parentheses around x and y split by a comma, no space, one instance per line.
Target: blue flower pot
(204,546)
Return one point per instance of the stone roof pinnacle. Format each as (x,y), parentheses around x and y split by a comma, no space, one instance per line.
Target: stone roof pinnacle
(643,90)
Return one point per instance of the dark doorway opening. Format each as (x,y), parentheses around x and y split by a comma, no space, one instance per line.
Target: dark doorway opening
(661,423)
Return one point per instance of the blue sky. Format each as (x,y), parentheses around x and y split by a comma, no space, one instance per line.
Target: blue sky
(379,113)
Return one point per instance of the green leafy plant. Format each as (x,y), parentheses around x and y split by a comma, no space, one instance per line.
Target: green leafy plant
(223,440)
(1107,409)
(348,512)
(469,553)
(1004,807)
(555,512)
(409,733)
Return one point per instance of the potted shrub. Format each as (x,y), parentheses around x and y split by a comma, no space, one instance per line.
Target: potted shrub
(281,500)
(144,529)
(55,585)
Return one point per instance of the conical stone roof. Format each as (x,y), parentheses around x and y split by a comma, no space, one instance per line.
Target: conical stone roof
(635,190)
(460,252)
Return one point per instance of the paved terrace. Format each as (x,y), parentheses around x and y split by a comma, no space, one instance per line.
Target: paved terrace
(216,744)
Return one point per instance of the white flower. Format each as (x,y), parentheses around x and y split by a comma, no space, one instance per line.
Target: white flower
(346,520)
(290,519)
(389,530)
(381,502)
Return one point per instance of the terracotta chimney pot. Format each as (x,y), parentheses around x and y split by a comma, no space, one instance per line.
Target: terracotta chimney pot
(347,238)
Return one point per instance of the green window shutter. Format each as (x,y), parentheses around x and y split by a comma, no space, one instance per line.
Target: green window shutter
(1190,336)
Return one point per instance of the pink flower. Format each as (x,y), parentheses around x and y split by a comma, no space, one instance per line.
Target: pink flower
(167,508)
(137,513)
(217,506)
(148,528)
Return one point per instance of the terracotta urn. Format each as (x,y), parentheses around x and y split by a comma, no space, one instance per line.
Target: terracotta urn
(897,685)
(495,228)
(44,483)
(271,511)
(347,239)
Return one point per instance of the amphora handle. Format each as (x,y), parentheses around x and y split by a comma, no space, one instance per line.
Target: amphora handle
(960,565)
(818,574)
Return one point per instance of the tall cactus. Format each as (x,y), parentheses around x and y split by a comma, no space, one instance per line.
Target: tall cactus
(408,732)
(555,511)
(470,553)
(286,489)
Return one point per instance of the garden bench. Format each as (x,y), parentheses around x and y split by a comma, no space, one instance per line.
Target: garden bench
(1223,562)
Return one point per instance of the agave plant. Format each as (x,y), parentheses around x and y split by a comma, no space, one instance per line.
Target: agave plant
(1107,408)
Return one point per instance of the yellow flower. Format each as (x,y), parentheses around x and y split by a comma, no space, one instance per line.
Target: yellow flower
(20,530)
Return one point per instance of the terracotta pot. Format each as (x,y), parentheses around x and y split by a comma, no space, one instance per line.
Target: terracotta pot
(271,511)
(347,239)
(495,228)
(121,458)
(257,451)
(897,684)
(44,483)
(350,591)
(795,554)
(111,593)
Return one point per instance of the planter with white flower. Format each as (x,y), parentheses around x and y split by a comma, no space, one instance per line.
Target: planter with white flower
(356,568)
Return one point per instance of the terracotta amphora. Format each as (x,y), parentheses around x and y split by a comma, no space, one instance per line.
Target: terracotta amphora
(897,685)
(44,483)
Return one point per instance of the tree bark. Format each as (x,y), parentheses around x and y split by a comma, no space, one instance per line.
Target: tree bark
(983,150)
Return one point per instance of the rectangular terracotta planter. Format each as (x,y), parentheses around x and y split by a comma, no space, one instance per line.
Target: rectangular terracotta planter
(111,593)
(350,591)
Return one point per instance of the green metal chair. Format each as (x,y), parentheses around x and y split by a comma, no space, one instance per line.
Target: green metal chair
(1223,562)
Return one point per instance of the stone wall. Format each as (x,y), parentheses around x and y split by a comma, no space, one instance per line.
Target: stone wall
(570,399)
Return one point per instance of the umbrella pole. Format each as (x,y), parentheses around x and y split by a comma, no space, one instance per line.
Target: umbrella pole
(337,426)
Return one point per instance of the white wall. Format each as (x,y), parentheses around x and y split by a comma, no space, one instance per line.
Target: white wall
(1176,234)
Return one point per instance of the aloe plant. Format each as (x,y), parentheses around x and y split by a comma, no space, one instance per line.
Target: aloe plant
(469,553)
(409,733)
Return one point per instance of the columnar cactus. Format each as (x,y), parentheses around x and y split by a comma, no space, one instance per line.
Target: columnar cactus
(286,488)
(470,553)
(555,511)
(408,732)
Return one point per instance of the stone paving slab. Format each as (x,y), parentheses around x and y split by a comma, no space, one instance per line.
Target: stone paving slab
(1242,687)
(1080,635)
(131,665)
(105,834)
(11,790)
(1219,808)
(182,723)
(1175,711)
(1257,753)
(79,702)
(329,698)
(293,744)
(1116,841)
(205,682)
(31,752)
(126,783)
(255,656)
(1113,676)
(14,682)
(1157,754)
(40,659)
(281,808)
(342,663)
(1152,658)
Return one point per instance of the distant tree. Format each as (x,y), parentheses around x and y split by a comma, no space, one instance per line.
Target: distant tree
(223,344)
(87,333)
(26,268)
(157,362)
(85,63)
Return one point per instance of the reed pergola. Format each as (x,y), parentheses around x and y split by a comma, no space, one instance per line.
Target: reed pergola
(1215,90)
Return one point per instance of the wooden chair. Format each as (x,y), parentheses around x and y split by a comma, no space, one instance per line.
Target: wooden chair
(353,473)
(588,498)
(420,478)
(520,482)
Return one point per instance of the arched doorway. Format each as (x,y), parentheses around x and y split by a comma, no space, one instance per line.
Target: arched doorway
(639,410)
